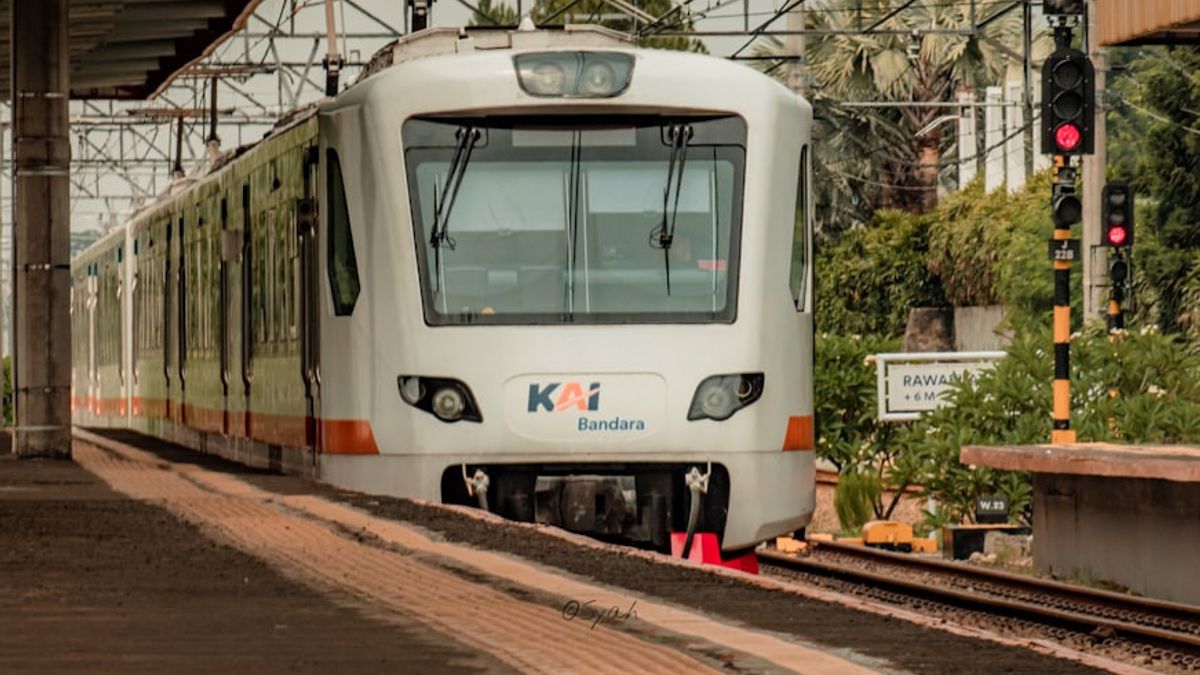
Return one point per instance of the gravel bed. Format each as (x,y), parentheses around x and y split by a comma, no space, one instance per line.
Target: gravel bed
(1099,642)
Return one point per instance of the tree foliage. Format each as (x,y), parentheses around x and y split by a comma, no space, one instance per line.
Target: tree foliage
(494,13)
(891,157)
(558,12)
(869,279)
(973,249)
(1155,131)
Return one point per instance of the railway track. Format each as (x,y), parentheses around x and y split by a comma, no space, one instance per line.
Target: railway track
(1163,632)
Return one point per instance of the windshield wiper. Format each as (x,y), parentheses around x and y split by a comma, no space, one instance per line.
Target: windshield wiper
(679,135)
(439,233)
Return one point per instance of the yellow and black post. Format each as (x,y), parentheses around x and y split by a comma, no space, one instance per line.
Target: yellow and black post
(1067,210)
(1118,271)
(1068,129)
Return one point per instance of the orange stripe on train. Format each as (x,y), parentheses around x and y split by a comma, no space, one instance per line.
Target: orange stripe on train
(338,437)
(348,437)
(799,434)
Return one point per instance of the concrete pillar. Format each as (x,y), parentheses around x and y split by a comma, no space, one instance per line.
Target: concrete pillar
(968,145)
(993,160)
(1095,256)
(797,70)
(41,229)
(1014,147)
(1041,161)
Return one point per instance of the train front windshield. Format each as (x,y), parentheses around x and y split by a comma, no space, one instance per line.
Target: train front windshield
(577,220)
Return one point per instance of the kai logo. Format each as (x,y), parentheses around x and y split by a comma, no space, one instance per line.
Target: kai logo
(560,396)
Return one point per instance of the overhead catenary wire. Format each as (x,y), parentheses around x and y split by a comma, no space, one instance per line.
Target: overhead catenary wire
(1165,120)
(925,188)
(961,160)
(707,13)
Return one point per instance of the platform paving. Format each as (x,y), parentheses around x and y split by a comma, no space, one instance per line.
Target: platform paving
(94,581)
(224,568)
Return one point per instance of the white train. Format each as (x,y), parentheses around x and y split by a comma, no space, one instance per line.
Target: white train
(543,272)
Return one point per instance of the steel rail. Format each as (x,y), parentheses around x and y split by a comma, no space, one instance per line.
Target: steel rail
(1185,612)
(988,602)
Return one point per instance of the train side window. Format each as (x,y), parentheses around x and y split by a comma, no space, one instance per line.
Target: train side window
(343,266)
(800,239)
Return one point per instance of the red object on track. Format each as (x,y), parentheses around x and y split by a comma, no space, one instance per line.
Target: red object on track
(705,549)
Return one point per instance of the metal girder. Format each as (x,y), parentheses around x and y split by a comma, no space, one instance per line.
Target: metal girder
(152,39)
(125,153)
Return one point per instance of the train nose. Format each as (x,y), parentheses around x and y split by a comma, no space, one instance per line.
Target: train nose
(585,406)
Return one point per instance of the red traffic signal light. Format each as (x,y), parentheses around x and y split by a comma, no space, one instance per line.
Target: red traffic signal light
(1068,103)
(1117,214)
(1116,236)
(1067,137)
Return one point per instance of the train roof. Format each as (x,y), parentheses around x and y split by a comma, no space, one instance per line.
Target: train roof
(425,43)
(450,40)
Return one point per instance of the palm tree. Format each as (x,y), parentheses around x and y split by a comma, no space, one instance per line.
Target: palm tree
(891,157)
(498,13)
(488,13)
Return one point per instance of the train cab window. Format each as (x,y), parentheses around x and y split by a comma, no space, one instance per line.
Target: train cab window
(800,238)
(570,220)
(343,266)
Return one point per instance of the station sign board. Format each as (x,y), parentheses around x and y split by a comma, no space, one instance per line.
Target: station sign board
(910,383)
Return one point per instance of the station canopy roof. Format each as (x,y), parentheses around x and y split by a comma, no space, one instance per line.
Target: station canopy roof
(132,48)
(1141,22)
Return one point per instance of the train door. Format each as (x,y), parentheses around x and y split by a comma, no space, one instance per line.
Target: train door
(247,309)
(93,372)
(121,296)
(306,232)
(227,255)
(131,347)
(170,325)
(181,313)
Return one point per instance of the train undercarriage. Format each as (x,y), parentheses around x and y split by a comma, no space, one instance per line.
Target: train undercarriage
(639,504)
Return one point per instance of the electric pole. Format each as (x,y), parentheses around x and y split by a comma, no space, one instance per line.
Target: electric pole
(1095,259)
(797,69)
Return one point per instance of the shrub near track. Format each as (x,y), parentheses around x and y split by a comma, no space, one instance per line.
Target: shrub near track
(973,249)
(1142,387)
(1139,387)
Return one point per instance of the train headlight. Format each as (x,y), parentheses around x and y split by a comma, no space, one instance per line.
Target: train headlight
(547,79)
(448,404)
(446,399)
(720,396)
(574,74)
(597,80)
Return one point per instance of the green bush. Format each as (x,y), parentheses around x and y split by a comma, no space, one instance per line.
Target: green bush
(973,249)
(849,434)
(844,397)
(869,278)
(991,249)
(1138,387)
(855,499)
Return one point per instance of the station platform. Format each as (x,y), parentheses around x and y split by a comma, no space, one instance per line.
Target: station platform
(1126,515)
(144,557)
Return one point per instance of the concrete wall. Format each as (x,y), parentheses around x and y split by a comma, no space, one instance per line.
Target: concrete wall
(975,328)
(1143,534)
